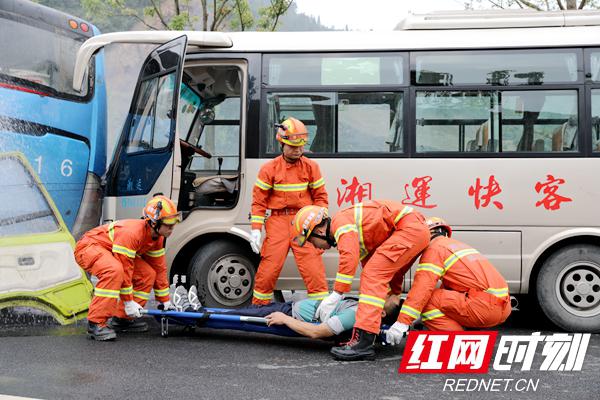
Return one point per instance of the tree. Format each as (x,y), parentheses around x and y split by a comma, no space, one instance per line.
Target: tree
(539,5)
(206,15)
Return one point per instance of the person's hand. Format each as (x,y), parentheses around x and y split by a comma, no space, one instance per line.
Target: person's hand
(327,306)
(167,306)
(276,318)
(396,332)
(255,242)
(133,309)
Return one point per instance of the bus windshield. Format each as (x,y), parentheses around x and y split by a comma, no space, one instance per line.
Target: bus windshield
(38,56)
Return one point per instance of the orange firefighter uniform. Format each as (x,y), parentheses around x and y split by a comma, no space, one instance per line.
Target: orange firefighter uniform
(285,188)
(473,293)
(128,264)
(386,237)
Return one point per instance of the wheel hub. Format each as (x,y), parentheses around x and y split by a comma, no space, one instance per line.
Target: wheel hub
(230,280)
(578,288)
(235,281)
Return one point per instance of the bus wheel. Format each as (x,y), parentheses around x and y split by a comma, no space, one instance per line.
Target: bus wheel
(223,272)
(568,288)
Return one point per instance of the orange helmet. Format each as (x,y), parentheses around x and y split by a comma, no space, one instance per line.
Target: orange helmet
(161,208)
(305,221)
(292,132)
(437,222)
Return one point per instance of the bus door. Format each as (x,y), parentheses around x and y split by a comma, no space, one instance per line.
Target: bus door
(146,161)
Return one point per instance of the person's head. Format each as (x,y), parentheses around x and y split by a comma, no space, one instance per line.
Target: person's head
(162,216)
(391,309)
(438,227)
(312,224)
(292,135)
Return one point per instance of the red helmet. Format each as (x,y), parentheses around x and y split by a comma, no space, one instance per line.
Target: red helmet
(437,222)
(292,132)
(305,221)
(161,208)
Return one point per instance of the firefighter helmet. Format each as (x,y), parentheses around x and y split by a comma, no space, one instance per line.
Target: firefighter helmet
(292,132)
(437,222)
(161,208)
(306,220)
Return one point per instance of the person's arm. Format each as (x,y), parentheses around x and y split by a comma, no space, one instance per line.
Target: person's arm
(307,329)
(260,194)
(156,258)
(317,187)
(349,250)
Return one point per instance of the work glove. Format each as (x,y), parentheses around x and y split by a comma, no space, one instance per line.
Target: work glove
(166,306)
(396,332)
(327,306)
(133,309)
(255,240)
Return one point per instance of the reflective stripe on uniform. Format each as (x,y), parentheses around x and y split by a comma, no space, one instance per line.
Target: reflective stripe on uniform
(343,278)
(406,210)
(371,300)
(126,290)
(141,295)
(161,292)
(111,231)
(263,185)
(432,314)
(439,271)
(290,187)
(411,312)
(317,184)
(263,296)
(99,292)
(344,229)
(358,217)
(123,250)
(450,261)
(498,292)
(156,253)
(257,219)
(318,295)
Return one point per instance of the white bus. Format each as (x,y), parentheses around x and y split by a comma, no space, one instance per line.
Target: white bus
(495,130)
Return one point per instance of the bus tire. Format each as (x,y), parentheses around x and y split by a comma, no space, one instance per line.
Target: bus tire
(224,273)
(568,288)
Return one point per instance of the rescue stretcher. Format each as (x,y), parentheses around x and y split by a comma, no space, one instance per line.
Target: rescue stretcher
(217,318)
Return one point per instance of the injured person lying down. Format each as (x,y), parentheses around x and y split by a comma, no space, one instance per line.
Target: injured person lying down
(299,316)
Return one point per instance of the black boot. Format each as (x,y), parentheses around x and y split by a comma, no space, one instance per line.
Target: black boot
(128,325)
(360,347)
(97,332)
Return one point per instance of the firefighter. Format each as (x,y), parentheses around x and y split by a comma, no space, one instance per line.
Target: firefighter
(473,293)
(386,237)
(284,185)
(128,258)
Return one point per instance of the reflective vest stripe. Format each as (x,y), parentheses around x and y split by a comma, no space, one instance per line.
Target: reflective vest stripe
(317,184)
(406,210)
(112,294)
(450,261)
(111,231)
(141,295)
(161,292)
(290,187)
(123,250)
(126,290)
(371,300)
(257,219)
(263,185)
(344,229)
(318,295)
(263,296)
(411,312)
(498,292)
(439,271)
(156,253)
(343,278)
(432,314)
(358,217)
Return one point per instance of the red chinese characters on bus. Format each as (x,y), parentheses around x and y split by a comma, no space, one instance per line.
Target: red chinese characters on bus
(552,200)
(420,192)
(483,194)
(354,192)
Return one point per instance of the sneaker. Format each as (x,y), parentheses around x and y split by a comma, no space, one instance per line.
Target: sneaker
(193,298)
(100,332)
(127,325)
(180,299)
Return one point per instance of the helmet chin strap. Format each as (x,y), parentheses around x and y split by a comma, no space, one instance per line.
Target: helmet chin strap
(330,241)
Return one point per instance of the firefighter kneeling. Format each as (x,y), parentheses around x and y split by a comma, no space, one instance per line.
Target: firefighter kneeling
(473,293)
(128,258)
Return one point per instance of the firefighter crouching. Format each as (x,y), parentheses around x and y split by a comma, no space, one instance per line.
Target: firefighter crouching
(284,185)
(128,258)
(386,237)
(473,293)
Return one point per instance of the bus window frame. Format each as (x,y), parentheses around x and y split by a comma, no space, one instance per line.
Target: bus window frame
(583,142)
(460,53)
(589,86)
(46,90)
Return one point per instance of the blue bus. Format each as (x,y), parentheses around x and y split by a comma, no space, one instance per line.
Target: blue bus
(61,132)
